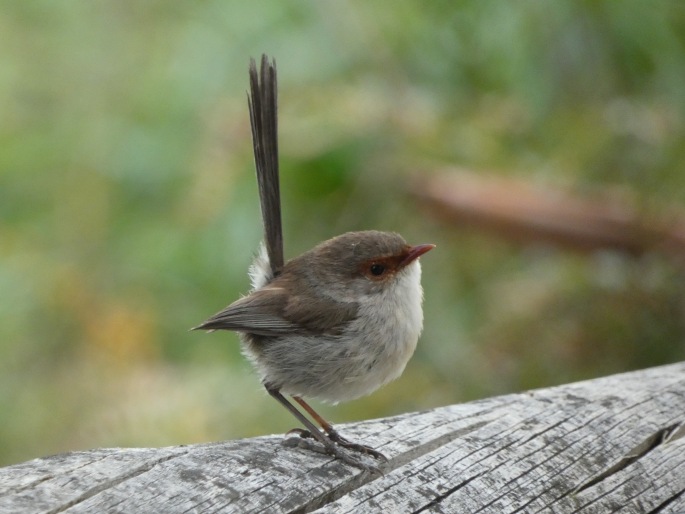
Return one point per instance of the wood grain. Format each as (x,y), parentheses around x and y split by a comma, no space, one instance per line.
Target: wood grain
(614,444)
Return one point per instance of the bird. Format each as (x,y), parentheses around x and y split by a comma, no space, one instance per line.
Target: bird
(334,323)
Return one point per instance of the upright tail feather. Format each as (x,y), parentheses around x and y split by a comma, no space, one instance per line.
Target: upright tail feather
(262,102)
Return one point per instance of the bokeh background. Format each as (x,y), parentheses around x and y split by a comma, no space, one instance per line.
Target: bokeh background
(129,212)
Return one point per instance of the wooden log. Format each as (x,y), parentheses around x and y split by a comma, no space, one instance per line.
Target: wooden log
(606,445)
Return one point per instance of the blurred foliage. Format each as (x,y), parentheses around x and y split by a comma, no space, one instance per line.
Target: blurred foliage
(129,212)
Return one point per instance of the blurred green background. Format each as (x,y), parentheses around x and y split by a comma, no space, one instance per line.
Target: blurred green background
(129,211)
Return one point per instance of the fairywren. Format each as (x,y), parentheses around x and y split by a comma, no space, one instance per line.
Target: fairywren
(334,323)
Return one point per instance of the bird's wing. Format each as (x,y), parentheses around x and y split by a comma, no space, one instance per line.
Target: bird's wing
(327,316)
(271,312)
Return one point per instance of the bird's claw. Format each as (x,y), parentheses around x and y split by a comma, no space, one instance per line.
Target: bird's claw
(334,441)
(334,436)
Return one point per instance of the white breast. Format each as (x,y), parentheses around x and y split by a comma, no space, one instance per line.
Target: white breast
(383,338)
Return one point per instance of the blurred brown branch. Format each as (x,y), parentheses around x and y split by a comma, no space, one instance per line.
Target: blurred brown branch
(522,211)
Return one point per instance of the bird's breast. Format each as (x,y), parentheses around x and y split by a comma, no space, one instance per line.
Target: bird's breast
(383,337)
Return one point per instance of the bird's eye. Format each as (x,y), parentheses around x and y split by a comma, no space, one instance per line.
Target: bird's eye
(377,269)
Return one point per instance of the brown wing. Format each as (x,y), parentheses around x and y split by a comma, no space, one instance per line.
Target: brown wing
(271,311)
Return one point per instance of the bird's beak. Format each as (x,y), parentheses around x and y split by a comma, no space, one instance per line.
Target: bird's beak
(414,253)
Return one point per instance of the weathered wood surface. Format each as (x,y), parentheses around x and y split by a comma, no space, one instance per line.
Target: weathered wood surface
(609,445)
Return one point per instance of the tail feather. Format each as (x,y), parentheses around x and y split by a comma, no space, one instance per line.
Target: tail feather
(262,102)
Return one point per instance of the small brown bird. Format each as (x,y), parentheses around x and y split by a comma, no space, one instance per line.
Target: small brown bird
(335,323)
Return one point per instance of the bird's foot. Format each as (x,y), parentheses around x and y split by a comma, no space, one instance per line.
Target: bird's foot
(334,446)
(334,437)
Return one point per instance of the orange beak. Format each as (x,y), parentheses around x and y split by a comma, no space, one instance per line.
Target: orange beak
(414,253)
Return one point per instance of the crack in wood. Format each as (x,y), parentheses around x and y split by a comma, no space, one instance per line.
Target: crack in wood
(332,495)
(432,445)
(439,499)
(650,443)
(113,483)
(365,478)
(668,502)
(25,487)
(677,432)
(33,484)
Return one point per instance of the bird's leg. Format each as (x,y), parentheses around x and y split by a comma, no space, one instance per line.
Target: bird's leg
(315,433)
(334,435)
